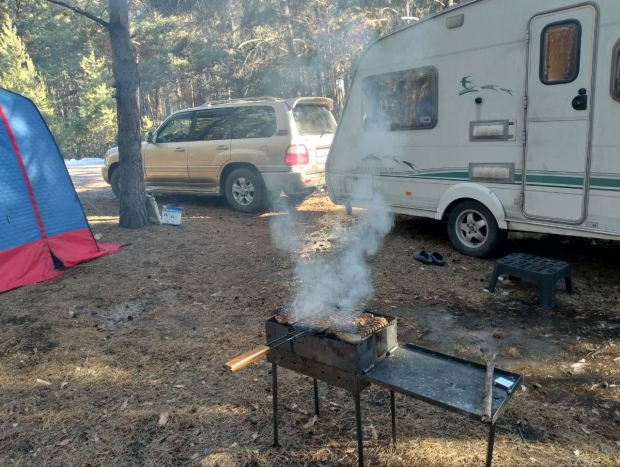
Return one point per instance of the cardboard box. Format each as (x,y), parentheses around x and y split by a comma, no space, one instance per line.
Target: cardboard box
(171,215)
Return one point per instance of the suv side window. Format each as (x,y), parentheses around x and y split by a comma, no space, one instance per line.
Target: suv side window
(212,125)
(254,122)
(175,130)
(404,100)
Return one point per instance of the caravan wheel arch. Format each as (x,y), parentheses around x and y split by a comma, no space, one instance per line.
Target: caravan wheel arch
(480,193)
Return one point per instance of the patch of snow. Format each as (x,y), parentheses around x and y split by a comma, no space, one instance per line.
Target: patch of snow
(87,161)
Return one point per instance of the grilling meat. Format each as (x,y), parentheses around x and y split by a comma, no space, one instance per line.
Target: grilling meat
(284,315)
(352,329)
(355,329)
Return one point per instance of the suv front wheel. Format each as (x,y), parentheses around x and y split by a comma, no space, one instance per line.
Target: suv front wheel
(245,191)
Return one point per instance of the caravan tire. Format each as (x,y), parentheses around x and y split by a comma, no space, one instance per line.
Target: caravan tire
(473,230)
(115,181)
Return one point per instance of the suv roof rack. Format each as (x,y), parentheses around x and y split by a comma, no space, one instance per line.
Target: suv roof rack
(236,101)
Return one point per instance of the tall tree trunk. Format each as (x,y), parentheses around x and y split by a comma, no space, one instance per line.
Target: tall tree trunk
(290,47)
(125,70)
(235,13)
(167,98)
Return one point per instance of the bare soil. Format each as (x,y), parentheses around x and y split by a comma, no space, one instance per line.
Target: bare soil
(118,362)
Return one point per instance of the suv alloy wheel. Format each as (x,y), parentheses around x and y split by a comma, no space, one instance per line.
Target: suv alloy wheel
(473,230)
(245,191)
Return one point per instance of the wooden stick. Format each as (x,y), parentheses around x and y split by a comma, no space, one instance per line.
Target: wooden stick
(247,358)
(487,405)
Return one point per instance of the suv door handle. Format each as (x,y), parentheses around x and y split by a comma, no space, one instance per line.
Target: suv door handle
(179,150)
(222,148)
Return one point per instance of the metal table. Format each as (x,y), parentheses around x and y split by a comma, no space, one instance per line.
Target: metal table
(449,382)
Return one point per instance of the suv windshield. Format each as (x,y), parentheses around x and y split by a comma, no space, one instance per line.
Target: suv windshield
(313,120)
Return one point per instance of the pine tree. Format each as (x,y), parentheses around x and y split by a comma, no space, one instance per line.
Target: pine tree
(17,72)
(97,107)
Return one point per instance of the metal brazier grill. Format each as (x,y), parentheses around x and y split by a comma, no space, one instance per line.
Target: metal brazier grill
(309,352)
(332,360)
(357,356)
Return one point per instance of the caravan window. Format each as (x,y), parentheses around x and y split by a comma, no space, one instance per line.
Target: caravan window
(560,44)
(615,76)
(404,100)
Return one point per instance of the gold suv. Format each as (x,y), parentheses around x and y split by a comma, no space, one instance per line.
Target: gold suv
(250,150)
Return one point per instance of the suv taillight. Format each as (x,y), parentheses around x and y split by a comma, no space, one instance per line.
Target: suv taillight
(296,154)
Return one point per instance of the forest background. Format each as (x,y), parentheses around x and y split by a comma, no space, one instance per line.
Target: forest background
(189,52)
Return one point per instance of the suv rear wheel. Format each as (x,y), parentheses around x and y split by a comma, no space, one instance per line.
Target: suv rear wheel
(473,230)
(245,191)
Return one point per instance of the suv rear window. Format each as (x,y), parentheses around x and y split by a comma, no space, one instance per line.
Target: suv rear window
(313,119)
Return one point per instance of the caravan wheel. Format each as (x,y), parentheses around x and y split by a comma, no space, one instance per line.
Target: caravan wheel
(473,229)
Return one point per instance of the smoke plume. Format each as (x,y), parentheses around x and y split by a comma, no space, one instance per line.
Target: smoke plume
(342,279)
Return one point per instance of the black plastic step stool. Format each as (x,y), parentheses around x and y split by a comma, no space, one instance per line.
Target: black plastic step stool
(544,272)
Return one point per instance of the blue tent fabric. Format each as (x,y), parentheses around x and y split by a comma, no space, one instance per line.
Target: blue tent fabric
(19,224)
(48,175)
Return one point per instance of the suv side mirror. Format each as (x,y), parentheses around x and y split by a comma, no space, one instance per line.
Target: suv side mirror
(149,137)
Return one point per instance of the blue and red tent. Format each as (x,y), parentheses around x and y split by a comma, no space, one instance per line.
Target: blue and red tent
(43,227)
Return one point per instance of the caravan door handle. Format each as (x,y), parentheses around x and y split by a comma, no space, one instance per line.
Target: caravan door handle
(179,150)
(581,101)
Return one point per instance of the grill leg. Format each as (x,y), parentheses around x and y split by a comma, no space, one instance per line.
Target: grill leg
(274,391)
(358,421)
(316,397)
(490,445)
(393,408)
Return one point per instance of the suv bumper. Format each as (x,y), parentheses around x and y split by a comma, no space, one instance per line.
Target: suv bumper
(293,182)
(105,172)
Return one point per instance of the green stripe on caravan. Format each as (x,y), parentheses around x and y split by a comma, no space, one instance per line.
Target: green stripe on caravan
(560,181)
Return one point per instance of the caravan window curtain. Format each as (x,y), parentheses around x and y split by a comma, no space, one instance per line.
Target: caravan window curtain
(560,54)
(404,100)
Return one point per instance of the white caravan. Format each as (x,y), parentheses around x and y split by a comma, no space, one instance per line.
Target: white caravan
(493,115)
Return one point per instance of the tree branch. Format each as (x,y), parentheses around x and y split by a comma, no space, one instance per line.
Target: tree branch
(85,13)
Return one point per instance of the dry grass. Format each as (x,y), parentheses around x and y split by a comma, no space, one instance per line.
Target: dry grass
(198,295)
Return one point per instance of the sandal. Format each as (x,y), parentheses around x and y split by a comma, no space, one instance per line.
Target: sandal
(438,258)
(423,257)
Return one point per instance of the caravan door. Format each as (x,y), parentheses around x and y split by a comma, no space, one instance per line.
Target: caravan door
(560,91)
